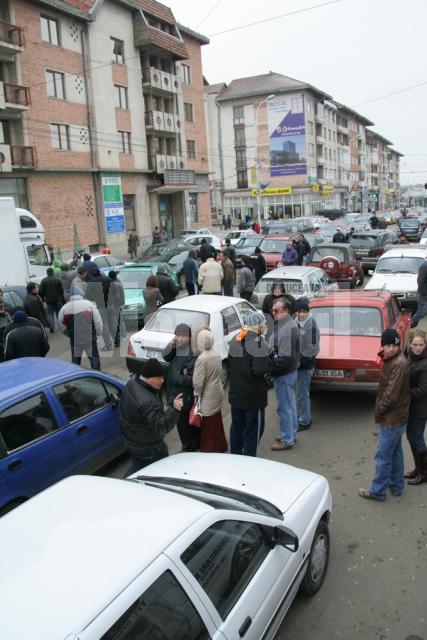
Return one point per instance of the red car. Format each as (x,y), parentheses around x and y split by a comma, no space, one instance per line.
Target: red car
(272,248)
(351,324)
(339,262)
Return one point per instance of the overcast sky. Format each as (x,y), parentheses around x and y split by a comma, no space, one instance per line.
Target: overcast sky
(355,50)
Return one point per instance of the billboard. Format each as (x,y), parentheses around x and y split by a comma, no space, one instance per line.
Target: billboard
(113,203)
(286,131)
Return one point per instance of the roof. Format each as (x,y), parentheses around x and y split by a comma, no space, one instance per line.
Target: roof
(265,84)
(215,88)
(193,34)
(90,537)
(355,114)
(379,136)
(289,272)
(158,10)
(406,250)
(78,8)
(348,297)
(205,303)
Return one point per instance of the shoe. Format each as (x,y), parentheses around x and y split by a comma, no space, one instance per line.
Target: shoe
(303,427)
(106,348)
(281,446)
(416,470)
(365,493)
(278,438)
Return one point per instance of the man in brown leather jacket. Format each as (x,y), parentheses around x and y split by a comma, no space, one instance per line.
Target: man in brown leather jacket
(391,413)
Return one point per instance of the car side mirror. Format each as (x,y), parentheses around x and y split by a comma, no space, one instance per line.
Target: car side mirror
(113,400)
(286,538)
(370,272)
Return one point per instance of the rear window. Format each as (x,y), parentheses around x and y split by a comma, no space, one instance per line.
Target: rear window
(134,279)
(322,252)
(294,287)
(274,246)
(348,321)
(363,241)
(166,320)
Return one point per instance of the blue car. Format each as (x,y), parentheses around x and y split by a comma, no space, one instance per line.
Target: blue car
(56,419)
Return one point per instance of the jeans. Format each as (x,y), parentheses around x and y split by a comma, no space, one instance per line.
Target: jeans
(146,456)
(247,427)
(191,289)
(285,387)
(228,289)
(106,324)
(421,310)
(52,311)
(388,462)
(91,350)
(303,395)
(415,433)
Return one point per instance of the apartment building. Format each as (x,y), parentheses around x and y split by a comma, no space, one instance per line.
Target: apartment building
(287,148)
(92,114)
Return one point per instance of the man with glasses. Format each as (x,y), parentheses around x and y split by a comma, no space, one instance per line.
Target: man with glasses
(284,343)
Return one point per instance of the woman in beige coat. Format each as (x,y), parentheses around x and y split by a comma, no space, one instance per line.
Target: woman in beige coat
(208,388)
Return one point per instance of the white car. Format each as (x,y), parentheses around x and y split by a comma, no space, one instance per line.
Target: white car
(193,547)
(222,314)
(298,281)
(191,232)
(397,271)
(235,236)
(196,240)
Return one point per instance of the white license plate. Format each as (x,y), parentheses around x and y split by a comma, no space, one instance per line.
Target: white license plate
(329,373)
(152,353)
(363,253)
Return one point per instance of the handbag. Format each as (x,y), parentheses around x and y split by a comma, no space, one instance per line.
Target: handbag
(195,417)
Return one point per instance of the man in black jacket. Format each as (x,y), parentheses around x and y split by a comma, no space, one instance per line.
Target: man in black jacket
(421,294)
(249,365)
(52,293)
(144,422)
(5,321)
(206,250)
(25,339)
(33,304)
(167,288)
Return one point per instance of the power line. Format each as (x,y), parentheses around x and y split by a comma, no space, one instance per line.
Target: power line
(209,13)
(393,93)
(283,15)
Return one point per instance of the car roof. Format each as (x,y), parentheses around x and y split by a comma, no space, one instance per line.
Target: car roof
(373,232)
(374,298)
(404,251)
(140,265)
(293,271)
(90,538)
(332,245)
(23,374)
(280,236)
(205,303)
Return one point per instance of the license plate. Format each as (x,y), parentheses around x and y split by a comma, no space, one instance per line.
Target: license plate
(329,373)
(152,353)
(362,253)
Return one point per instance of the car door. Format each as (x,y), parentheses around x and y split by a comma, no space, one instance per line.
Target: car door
(93,420)
(244,309)
(231,325)
(37,450)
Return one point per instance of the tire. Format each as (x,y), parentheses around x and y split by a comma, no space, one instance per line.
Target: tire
(11,505)
(224,374)
(317,561)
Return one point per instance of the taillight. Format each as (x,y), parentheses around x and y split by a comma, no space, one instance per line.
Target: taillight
(379,251)
(131,350)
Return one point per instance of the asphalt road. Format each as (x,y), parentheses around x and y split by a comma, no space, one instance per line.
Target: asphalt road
(376,583)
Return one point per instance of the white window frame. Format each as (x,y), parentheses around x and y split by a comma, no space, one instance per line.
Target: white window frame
(121,97)
(52,33)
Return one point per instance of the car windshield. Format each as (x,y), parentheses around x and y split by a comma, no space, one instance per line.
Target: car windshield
(156,249)
(166,320)
(133,278)
(234,235)
(322,252)
(408,222)
(294,287)
(348,321)
(363,241)
(274,246)
(177,258)
(399,264)
(250,241)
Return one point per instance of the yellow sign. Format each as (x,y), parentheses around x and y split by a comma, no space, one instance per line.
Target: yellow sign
(315,187)
(327,188)
(274,191)
(253,177)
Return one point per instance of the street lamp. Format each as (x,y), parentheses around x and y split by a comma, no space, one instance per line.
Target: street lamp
(258,162)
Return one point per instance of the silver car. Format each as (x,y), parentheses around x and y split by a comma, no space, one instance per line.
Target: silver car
(298,281)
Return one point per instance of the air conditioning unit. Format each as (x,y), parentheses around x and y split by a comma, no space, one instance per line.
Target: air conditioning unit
(170,122)
(172,162)
(178,123)
(158,120)
(155,78)
(175,84)
(161,163)
(166,81)
(5,159)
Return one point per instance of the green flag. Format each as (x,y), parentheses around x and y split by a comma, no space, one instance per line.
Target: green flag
(77,246)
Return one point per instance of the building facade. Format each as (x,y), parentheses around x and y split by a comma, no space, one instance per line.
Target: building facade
(284,148)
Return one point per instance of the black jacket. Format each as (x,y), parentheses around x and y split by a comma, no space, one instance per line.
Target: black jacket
(5,322)
(206,251)
(34,307)
(339,236)
(143,421)
(177,381)
(25,340)
(267,305)
(249,363)
(258,263)
(51,290)
(418,408)
(97,291)
(167,288)
(422,280)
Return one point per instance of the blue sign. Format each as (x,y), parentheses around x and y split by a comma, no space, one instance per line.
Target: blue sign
(114,217)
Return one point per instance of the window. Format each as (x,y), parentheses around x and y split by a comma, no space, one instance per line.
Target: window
(163,611)
(186,73)
(241,158)
(239,113)
(49,28)
(37,255)
(239,136)
(60,136)
(26,421)
(121,96)
(242,179)
(230,320)
(191,149)
(82,396)
(353,321)
(188,112)
(126,141)
(117,51)
(194,217)
(310,126)
(311,149)
(55,84)
(245,310)
(224,559)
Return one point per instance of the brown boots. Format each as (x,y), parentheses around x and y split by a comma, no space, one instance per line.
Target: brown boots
(419,474)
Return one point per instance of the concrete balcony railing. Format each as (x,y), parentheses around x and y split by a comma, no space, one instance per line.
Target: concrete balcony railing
(14,98)
(161,163)
(163,122)
(23,157)
(11,39)
(160,81)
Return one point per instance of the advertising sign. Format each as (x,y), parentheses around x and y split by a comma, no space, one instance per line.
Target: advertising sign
(273,191)
(286,130)
(113,203)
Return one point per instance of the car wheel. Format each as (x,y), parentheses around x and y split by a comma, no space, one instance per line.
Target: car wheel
(317,561)
(224,374)
(11,505)
(362,278)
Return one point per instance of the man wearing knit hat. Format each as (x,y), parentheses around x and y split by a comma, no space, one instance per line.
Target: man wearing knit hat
(391,413)
(309,348)
(25,338)
(143,421)
(249,365)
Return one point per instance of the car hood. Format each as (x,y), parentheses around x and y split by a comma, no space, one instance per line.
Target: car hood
(347,349)
(134,296)
(394,282)
(279,484)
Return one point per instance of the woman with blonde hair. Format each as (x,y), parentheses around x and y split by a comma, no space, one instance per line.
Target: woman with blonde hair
(418,409)
(209,391)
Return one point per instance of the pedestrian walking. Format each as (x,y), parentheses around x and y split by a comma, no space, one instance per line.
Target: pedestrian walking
(246,284)
(230,251)
(24,339)
(338,236)
(229,222)
(284,345)
(133,244)
(191,272)
(157,236)
(258,264)
(374,220)
(116,301)
(167,287)
(208,389)
(143,421)
(210,277)
(97,291)
(418,408)
(391,414)
(290,256)
(349,235)
(179,381)
(51,292)
(421,294)
(229,275)
(206,250)
(79,284)
(152,296)
(90,268)
(250,365)
(309,348)
(33,304)
(82,323)
(303,248)
(5,322)
(224,221)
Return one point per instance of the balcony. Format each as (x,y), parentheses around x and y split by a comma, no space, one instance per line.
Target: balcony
(321,159)
(154,40)
(160,81)
(163,122)
(14,99)
(161,163)
(23,157)
(11,40)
